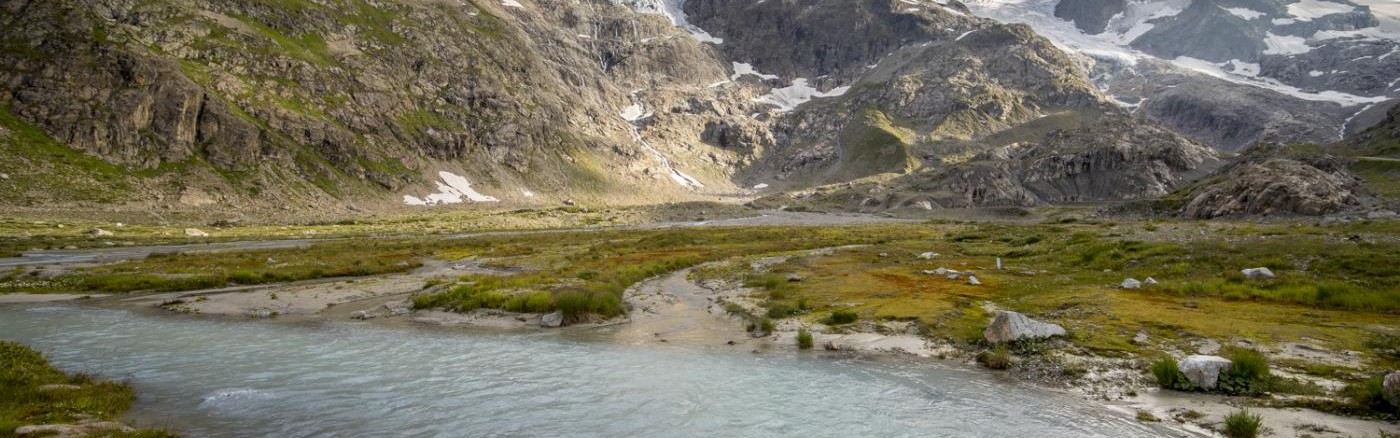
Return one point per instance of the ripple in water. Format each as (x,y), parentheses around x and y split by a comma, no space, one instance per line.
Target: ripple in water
(226,378)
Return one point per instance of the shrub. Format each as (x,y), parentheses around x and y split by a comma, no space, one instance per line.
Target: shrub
(1169,376)
(842,317)
(997,359)
(765,326)
(1242,424)
(804,339)
(1248,373)
(1369,394)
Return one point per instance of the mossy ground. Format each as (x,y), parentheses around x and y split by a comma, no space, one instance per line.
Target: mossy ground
(23,371)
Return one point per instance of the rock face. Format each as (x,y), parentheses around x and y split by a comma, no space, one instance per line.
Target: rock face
(1012,326)
(1391,387)
(1204,371)
(552,320)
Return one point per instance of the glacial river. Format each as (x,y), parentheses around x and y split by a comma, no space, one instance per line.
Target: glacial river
(222,378)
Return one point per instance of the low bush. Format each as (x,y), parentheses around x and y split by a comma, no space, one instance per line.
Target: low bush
(1242,424)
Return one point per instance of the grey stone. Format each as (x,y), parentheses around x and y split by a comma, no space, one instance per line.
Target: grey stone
(98,232)
(552,320)
(972,280)
(1204,371)
(1258,273)
(1131,283)
(1391,388)
(363,315)
(195,232)
(1011,326)
(928,255)
(1149,281)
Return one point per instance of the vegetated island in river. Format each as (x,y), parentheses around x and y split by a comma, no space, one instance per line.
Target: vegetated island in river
(1271,316)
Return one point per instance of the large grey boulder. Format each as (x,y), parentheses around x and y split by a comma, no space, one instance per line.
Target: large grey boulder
(1391,388)
(552,320)
(1204,371)
(1131,283)
(1011,326)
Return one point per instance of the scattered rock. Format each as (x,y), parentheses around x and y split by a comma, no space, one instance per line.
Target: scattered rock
(1149,281)
(363,315)
(884,254)
(569,202)
(70,247)
(4,176)
(98,232)
(1131,283)
(552,320)
(1391,388)
(794,278)
(195,232)
(59,387)
(954,276)
(399,308)
(1204,371)
(261,312)
(831,346)
(972,280)
(1140,338)
(928,255)
(1258,274)
(1011,326)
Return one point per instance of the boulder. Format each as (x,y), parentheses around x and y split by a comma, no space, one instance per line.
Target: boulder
(1149,281)
(1258,274)
(1204,371)
(794,278)
(1131,283)
(195,232)
(98,232)
(928,255)
(972,280)
(363,315)
(552,320)
(1011,326)
(1391,388)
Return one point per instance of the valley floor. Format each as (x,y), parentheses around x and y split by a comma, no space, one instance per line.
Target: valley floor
(1329,322)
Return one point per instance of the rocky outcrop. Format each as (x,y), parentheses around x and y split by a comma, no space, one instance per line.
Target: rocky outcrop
(1204,371)
(1012,326)
(1272,181)
(1091,16)
(552,320)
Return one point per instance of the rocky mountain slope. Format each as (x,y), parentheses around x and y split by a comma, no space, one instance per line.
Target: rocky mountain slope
(1231,73)
(378,104)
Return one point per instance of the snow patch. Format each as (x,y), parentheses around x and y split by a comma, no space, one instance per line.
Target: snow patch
(452,189)
(790,97)
(1245,13)
(1285,45)
(1307,10)
(742,69)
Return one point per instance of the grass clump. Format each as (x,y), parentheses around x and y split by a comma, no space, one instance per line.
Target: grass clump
(23,371)
(1248,373)
(804,339)
(1243,424)
(842,317)
(998,358)
(1369,396)
(1147,417)
(1169,375)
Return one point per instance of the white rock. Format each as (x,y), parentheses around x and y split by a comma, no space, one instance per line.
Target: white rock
(1204,371)
(552,320)
(998,263)
(1011,326)
(928,255)
(195,232)
(1131,283)
(4,176)
(1258,274)
(954,276)
(1149,281)
(972,280)
(98,232)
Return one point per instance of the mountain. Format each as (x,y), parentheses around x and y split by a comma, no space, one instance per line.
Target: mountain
(343,105)
(1231,73)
